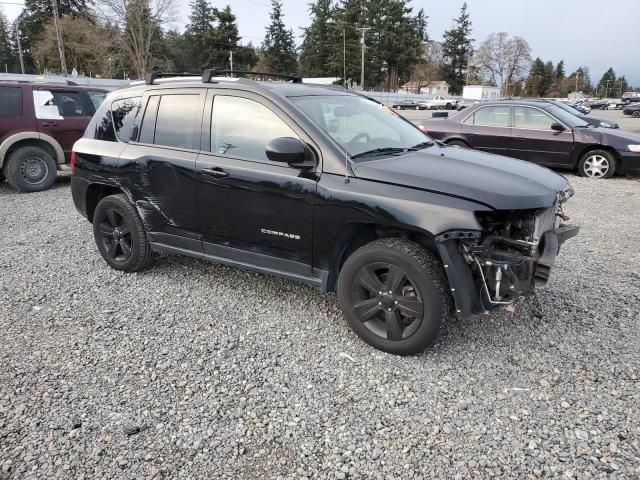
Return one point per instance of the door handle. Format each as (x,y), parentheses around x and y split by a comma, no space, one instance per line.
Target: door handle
(215,172)
(47,124)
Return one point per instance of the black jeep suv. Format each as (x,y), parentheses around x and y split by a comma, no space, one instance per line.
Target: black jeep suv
(319,186)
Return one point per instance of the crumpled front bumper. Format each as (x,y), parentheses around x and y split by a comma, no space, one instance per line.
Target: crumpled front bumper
(469,284)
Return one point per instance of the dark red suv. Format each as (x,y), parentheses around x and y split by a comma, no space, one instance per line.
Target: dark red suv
(39,123)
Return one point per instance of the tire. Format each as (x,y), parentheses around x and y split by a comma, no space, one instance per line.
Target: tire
(394,323)
(605,107)
(119,234)
(30,169)
(1,177)
(597,164)
(458,143)
(449,106)
(635,114)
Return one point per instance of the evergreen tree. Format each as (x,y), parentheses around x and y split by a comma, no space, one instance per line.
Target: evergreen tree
(535,80)
(559,71)
(344,39)
(457,50)
(225,38)
(200,36)
(7,52)
(548,78)
(278,47)
(606,85)
(315,52)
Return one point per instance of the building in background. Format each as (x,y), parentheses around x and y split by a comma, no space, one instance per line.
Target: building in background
(436,87)
(480,92)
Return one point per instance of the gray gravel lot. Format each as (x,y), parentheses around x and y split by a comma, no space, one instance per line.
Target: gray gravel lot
(192,370)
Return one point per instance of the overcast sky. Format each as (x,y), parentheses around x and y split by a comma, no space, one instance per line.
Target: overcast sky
(598,34)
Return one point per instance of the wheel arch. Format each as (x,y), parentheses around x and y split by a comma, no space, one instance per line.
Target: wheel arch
(589,148)
(95,193)
(41,140)
(355,235)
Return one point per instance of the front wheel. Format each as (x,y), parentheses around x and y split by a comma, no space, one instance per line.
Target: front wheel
(597,164)
(394,295)
(458,143)
(636,114)
(120,235)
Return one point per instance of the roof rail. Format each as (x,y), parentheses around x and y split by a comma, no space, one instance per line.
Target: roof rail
(150,77)
(210,73)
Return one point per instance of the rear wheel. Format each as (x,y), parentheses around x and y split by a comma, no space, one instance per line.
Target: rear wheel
(597,164)
(30,169)
(636,114)
(119,234)
(394,295)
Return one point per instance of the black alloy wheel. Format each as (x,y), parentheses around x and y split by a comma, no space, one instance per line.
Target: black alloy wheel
(394,295)
(386,301)
(115,235)
(120,235)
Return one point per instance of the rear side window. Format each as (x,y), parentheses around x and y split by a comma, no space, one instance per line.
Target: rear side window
(490,117)
(176,121)
(10,101)
(117,121)
(57,104)
(97,97)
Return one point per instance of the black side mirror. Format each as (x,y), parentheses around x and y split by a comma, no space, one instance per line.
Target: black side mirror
(558,127)
(285,149)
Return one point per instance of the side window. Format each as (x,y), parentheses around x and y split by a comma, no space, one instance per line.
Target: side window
(242,128)
(531,118)
(176,121)
(490,117)
(117,120)
(149,122)
(59,104)
(10,101)
(97,97)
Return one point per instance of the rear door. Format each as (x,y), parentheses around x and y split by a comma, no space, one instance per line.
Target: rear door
(159,164)
(62,113)
(535,141)
(488,129)
(11,112)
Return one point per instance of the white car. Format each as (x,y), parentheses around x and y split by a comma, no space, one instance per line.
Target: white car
(438,102)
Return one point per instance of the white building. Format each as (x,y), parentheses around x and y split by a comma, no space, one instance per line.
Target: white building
(435,87)
(480,92)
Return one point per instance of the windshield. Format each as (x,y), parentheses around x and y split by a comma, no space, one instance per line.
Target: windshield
(361,126)
(566,116)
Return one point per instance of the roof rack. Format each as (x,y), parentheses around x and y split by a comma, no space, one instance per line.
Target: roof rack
(210,73)
(157,74)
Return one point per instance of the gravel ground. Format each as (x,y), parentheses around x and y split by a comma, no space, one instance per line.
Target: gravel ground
(192,370)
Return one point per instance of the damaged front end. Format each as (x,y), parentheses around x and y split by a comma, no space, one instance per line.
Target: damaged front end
(506,260)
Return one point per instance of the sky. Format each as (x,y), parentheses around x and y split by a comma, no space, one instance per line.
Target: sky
(582,32)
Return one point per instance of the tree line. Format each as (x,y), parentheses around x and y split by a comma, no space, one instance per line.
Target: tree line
(129,38)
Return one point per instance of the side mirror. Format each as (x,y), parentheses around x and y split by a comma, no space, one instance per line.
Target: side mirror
(558,127)
(285,149)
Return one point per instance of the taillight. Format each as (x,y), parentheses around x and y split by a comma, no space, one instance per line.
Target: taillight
(73,162)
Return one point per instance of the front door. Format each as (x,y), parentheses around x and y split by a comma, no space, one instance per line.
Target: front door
(535,141)
(252,209)
(63,114)
(488,129)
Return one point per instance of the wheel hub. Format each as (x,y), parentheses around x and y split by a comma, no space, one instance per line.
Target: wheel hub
(387,300)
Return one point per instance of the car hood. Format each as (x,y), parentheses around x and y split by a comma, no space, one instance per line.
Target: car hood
(500,182)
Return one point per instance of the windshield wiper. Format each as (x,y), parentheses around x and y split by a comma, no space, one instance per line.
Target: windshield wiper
(422,145)
(380,151)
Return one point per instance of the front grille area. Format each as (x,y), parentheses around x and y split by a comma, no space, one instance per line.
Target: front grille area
(545,221)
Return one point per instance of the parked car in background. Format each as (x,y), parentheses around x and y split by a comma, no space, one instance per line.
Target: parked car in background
(632,109)
(598,122)
(543,133)
(630,97)
(39,123)
(325,189)
(465,103)
(583,109)
(439,102)
(408,105)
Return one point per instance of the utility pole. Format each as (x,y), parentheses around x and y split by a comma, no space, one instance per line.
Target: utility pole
(19,47)
(363,47)
(577,75)
(63,62)
(231,59)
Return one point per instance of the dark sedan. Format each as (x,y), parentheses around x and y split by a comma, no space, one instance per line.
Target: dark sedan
(543,133)
(632,109)
(407,105)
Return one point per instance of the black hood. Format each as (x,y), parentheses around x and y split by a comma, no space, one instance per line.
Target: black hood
(499,182)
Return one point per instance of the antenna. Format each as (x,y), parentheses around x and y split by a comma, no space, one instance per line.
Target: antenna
(344,77)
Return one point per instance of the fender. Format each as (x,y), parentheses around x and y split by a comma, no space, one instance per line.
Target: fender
(17,137)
